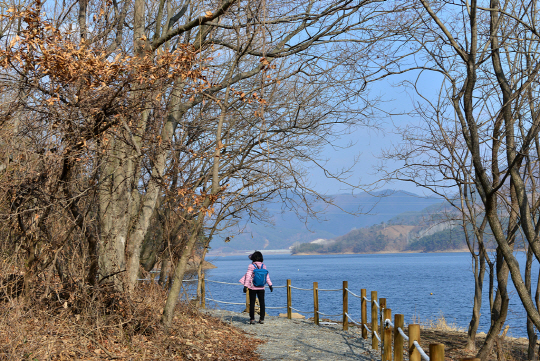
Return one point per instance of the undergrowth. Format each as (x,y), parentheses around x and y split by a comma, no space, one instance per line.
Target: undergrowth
(97,324)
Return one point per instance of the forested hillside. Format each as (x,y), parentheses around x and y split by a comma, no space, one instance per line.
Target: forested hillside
(446,240)
(349,213)
(425,231)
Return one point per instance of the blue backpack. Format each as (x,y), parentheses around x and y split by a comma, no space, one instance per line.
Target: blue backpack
(259,276)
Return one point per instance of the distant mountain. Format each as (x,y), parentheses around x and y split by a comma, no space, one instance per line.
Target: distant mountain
(334,220)
(427,231)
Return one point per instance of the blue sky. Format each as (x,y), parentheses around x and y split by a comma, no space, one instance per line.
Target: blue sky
(398,98)
(368,144)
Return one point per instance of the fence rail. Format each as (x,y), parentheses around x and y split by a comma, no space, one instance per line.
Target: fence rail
(387,335)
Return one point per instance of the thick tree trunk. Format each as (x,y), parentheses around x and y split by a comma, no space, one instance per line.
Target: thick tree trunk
(125,214)
(150,199)
(114,203)
(500,308)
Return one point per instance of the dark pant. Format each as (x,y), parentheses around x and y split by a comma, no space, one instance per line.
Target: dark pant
(260,295)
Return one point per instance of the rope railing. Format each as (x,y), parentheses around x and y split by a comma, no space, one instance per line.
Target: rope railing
(352,320)
(327,315)
(224,283)
(405,337)
(228,303)
(421,351)
(352,293)
(382,336)
(292,308)
(151,279)
(302,289)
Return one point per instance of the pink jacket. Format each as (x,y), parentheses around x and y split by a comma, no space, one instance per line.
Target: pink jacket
(247,280)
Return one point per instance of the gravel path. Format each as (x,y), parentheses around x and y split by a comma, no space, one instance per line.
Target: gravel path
(300,340)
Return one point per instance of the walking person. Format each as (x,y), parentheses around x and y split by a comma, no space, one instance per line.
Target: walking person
(254,280)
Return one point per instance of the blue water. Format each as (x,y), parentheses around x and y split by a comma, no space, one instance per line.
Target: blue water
(422,286)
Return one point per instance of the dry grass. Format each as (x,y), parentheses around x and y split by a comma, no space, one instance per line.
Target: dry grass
(511,349)
(438,324)
(116,328)
(454,339)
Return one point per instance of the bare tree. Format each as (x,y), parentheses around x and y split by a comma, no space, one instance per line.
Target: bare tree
(486,58)
(199,110)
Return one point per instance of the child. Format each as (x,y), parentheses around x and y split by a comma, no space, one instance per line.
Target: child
(254,291)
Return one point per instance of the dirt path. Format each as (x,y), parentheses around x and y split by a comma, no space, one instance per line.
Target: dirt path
(300,340)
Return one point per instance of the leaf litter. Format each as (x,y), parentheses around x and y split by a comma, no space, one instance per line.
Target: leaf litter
(130,329)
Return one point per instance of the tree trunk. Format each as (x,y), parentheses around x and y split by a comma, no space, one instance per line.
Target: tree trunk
(164,271)
(83,5)
(530,326)
(179,272)
(181,267)
(150,200)
(200,273)
(114,204)
(500,308)
(479,271)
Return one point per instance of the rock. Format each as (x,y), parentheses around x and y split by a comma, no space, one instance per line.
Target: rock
(193,264)
(257,308)
(293,315)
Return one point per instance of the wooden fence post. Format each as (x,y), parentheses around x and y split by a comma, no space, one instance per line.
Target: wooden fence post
(436,352)
(374,319)
(247,300)
(382,303)
(345,305)
(316,302)
(289,302)
(203,296)
(414,335)
(363,305)
(387,350)
(398,339)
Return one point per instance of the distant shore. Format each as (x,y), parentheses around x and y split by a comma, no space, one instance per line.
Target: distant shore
(287,251)
(461,250)
(218,253)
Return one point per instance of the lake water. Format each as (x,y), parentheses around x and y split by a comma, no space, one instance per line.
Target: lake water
(422,286)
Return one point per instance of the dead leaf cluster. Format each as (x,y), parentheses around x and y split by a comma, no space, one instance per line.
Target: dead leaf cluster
(80,86)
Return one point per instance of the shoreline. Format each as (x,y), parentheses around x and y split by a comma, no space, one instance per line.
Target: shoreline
(248,252)
(461,250)
(286,251)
